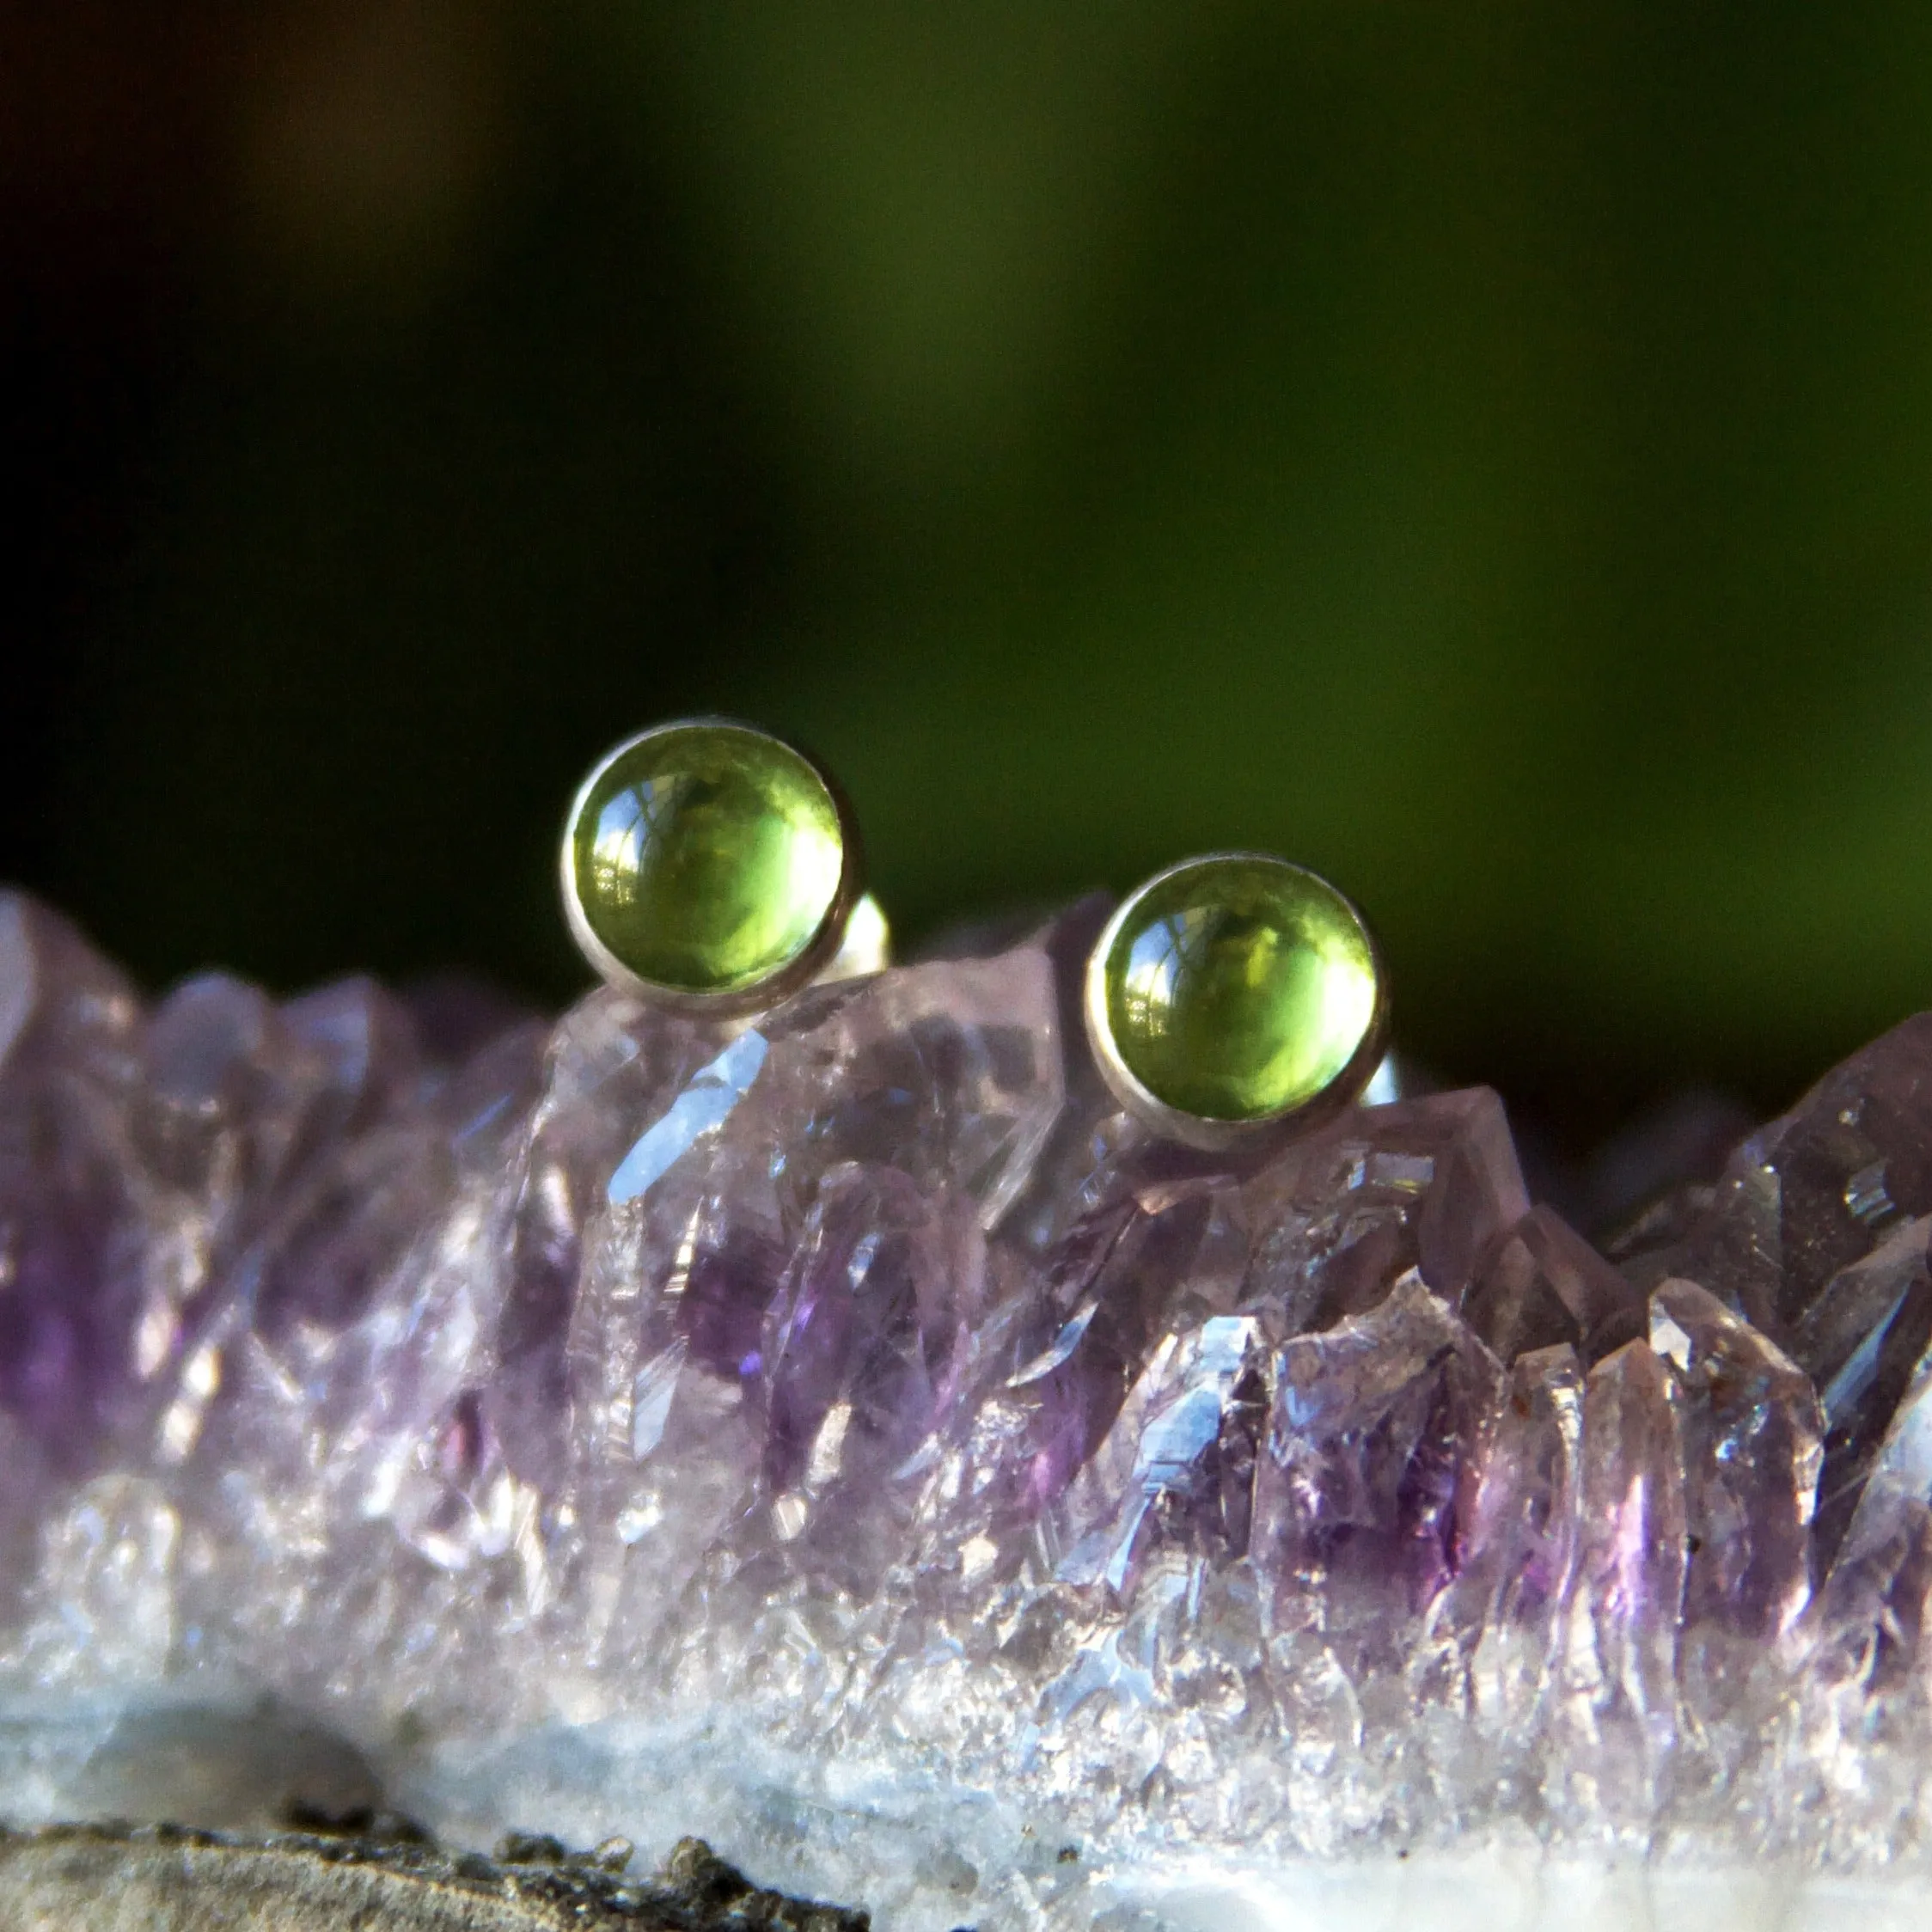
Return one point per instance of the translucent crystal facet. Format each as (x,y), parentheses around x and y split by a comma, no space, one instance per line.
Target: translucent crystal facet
(854,1402)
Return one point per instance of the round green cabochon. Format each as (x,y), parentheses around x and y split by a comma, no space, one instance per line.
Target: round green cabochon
(1238,988)
(705,857)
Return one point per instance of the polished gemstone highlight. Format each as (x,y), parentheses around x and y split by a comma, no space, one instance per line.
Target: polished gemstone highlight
(1238,988)
(705,858)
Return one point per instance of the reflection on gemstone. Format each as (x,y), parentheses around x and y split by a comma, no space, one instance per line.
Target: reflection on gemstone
(705,857)
(1238,988)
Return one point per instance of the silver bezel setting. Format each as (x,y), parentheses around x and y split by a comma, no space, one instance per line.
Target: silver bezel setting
(1206,1131)
(799,972)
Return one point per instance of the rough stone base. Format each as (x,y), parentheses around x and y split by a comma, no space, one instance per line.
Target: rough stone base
(163,1879)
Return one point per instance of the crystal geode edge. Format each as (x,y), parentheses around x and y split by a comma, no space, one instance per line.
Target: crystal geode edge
(849,1413)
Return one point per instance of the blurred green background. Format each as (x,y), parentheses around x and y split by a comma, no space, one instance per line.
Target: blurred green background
(1482,450)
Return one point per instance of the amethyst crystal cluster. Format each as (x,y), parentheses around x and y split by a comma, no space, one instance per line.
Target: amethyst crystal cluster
(859,1371)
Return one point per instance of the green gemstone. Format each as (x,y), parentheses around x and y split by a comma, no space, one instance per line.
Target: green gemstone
(1238,988)
(706,857)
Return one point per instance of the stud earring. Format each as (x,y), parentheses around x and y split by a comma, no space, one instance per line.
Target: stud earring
(714,869)
(1236,998)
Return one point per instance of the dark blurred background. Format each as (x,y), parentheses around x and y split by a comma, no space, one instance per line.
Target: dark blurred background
(1482,450)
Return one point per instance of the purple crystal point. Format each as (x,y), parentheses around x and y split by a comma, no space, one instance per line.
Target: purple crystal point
(1753,1438)
(1477,1188)
(1178,1468)
(1122,1281)
(63,1010)
(1862,1341)
(1361,1494)
(1493,1637)
(950,1072)
(79,1240)
(1878,1606)
(1546,1287)
(1816,1234)
(866,1354)
(1619,1666)
(1429,1184)
(1819,1188)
